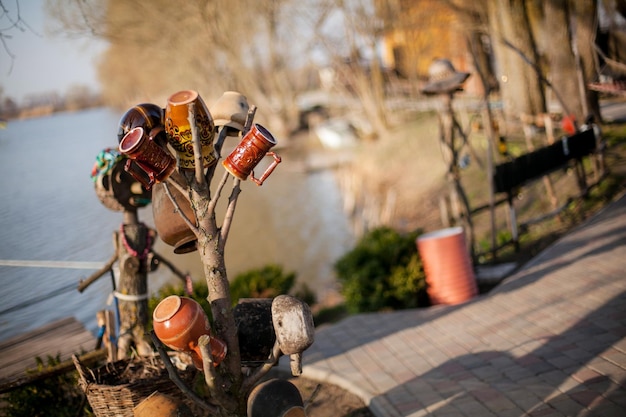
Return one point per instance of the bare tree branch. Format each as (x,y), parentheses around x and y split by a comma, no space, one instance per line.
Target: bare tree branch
(218,192)
(13,23)
(259,372)
(84,283)
(230,212)
(213,380)
(173,374)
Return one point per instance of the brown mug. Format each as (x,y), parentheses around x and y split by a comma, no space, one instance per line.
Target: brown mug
(146,155)
(248,153)
(178,128)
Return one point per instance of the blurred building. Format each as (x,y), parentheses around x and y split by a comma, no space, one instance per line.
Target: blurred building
(419,31)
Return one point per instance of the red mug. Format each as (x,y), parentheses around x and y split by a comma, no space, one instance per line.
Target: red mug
(147,156)
(249,152)
(179,322)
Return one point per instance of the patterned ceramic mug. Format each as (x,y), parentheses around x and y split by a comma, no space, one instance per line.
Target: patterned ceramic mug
(248,153)
(178,128)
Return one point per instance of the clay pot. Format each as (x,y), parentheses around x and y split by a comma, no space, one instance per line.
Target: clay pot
(161,405)
(275,398)
(147,116)
(179,322)
(169,224)
(448,267)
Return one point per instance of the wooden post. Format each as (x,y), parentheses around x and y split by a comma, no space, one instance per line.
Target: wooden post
(513,217)
(110,336)
(133,244)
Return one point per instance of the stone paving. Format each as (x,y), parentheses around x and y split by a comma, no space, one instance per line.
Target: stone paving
(548,341)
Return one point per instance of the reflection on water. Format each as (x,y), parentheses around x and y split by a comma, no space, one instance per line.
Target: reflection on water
(49,212)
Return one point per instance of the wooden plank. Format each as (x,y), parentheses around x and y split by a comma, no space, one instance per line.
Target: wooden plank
(63,337)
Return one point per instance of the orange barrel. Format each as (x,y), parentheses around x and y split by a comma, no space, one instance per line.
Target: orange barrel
(448,267)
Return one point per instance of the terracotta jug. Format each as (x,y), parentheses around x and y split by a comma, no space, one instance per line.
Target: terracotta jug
(179,322)
(158,404)
(169,224)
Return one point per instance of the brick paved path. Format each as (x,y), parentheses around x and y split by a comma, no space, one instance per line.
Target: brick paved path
(549,341)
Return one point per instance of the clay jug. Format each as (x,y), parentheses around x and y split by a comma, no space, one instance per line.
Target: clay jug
(158,404)
(169,224)
(179,322)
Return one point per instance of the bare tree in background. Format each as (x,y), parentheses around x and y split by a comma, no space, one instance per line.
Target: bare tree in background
(11,21)
(558,50)
(585,27)
(520,86)
(157,47)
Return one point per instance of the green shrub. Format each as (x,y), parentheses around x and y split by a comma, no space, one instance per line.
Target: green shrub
(57,396)
(383,271)
(267,282)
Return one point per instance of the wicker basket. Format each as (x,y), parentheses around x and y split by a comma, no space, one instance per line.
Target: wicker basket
(112,394)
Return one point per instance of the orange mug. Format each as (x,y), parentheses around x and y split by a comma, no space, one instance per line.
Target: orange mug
(179,322)
(249,152)
(147,156)
(178,128)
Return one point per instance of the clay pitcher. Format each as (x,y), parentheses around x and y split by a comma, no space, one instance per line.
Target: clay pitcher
(179,322)
(169,224)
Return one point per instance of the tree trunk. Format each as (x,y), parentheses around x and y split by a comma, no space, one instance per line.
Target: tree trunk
(211,250)
(562,64)
(584,14)
(514,47)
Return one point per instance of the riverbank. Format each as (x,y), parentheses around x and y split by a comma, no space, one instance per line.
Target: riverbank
(401,181)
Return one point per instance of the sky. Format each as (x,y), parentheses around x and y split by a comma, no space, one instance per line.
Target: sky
(43,63)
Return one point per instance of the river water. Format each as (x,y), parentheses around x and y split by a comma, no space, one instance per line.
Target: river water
(50,216)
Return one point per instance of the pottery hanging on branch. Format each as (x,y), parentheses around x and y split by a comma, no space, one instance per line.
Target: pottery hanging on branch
(179,322)
(169,223)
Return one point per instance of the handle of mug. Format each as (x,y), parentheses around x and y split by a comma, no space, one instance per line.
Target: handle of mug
(269,169)
(130,168)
